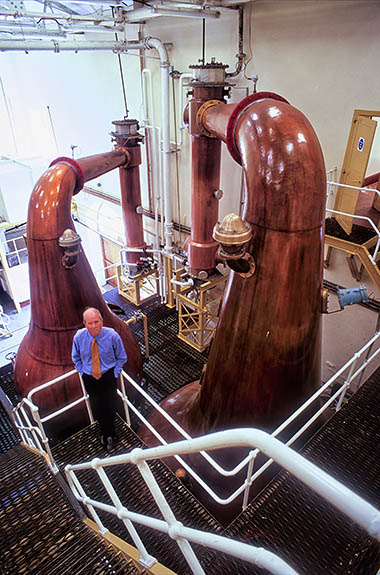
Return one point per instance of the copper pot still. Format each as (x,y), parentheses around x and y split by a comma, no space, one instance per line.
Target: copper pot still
(265,357)
(62,285)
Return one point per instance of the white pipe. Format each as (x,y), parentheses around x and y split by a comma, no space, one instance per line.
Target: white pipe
(154,160)
(181,125)
(55,46)
(164,63)
(56,16)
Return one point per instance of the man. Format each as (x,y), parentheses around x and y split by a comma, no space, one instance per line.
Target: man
(99,355)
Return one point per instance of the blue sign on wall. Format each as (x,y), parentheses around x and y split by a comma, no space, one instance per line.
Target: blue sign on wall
(361,144)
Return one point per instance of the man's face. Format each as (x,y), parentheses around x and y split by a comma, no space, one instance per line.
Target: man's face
(93,322)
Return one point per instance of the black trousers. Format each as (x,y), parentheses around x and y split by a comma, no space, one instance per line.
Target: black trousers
(103,400)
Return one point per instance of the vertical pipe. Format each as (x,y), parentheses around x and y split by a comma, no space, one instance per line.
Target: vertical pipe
(130,202)
(206,153)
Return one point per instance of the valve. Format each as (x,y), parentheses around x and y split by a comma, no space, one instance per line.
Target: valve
(233,235)
(70,242)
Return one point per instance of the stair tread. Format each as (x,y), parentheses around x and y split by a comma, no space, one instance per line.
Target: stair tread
(41,532)
(134,493)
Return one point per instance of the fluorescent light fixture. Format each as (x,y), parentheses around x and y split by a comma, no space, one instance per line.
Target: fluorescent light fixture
(186,13)
(146,14)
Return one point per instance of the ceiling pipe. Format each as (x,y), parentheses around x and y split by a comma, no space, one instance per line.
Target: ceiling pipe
(122,47)
(18,14)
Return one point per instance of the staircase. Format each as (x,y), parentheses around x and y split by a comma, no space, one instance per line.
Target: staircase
(134,493)
(40,531)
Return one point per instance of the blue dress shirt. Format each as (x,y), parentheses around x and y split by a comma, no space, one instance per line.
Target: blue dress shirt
(111,351)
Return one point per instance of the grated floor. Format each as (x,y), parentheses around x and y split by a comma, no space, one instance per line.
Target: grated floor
(295,523)
(41,534)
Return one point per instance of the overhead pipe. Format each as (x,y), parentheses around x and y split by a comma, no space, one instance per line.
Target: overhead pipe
(122,47)
(18,14)
(62,285)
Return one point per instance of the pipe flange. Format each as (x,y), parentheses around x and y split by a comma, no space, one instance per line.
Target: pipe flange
(127,155)
(201,112)
(248,261)
(77,169)
(237,111)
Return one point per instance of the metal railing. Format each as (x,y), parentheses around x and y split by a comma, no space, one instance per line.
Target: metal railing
(34,434)
(364,218)
(363,513)
(336,399)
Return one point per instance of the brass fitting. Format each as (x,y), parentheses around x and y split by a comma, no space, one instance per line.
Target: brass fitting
(201,112)
(70,242)
(232,234)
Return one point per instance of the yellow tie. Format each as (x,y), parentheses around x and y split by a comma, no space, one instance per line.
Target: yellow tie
(96,371)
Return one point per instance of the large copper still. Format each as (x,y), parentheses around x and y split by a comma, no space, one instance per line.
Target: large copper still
(265,357)
(62,284)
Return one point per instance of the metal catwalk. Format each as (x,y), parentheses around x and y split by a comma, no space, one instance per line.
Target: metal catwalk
(286,517)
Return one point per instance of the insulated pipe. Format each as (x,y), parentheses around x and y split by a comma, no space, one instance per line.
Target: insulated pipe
(164,63)
(59,293)
(154,158)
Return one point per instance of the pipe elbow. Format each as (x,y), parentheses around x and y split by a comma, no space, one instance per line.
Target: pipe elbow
(151,42)
(50,203)
(283,164)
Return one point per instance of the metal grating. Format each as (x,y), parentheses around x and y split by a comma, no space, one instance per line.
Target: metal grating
(359,234)
(40,532)
(292,521)
(135,495)
(8,434)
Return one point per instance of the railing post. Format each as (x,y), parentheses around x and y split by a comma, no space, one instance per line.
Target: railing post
(19,425)
(33,439)
(45,441)
(146,560)
(347,382)
(124,399)
(80,494)
(169,517)
(86,399)
(248,480)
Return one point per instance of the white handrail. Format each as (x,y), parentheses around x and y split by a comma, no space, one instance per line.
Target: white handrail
(249,459)
(348,502)
(353,187)
(251,456)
